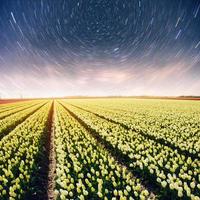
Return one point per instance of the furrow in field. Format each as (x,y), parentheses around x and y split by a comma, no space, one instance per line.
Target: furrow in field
(116,154)
(10,123)
(177,174)
(151,137)
(51,156)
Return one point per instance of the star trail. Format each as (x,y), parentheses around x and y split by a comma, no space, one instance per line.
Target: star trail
(99,47)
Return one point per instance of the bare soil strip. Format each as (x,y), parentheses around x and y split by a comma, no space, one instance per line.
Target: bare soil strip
(52,160)
(121,158)
(159,140)
(13,126)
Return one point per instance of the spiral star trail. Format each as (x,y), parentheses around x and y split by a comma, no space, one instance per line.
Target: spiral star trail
(99,47)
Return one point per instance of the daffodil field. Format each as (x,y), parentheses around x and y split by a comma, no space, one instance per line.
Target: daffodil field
(117,148)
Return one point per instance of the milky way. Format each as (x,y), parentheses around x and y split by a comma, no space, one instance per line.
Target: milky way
(102,47)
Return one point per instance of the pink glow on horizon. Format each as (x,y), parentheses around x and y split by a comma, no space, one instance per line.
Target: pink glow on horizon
(171,80)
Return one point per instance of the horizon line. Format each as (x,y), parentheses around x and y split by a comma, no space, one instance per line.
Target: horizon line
(108,96)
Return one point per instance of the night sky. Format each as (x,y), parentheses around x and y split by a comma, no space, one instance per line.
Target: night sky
(99,47)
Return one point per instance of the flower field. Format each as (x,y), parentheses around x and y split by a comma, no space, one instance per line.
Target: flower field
(100,149)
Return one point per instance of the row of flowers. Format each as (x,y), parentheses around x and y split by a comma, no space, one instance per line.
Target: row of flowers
(5,112)
(13,119)
(173,171)
(18,151)
(85,170)
(174,124)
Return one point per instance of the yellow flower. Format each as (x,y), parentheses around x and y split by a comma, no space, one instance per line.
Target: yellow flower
(115,192)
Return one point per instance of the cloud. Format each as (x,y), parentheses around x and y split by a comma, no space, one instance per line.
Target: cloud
(51,80)
(104,76)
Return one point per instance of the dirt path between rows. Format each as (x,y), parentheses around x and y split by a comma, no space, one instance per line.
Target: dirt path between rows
(52,160)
